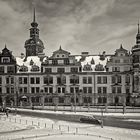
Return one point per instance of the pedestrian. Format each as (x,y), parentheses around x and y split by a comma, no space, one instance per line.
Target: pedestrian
(15,111)
(7,111)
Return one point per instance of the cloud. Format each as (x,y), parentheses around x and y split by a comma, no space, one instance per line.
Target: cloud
(78,25)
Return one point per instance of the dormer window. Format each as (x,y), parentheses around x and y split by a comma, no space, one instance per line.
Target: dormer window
(57,55)
(23,68)
(35,68)
(5,59)
(87,67)
(99,67)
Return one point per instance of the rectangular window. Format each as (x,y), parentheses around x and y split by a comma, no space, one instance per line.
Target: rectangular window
(113,89)
(54,62)
(37,80)
(113,79)
(20,90)
(0,90)
(48,70)
(71,89)
(74,79)
(48,80)
(0,80)
(51,89)
(74,70)
(32,90)
(104,89)
(7,90)
(119,79)
(63,89)
(89,80)
(116,69)
(117,61)
(12,80)
(2,69)
(66,61)
(89,89)
(127,79)
(32,80)
(59,90)
(85,89)
(20,80)
(99,90)
(84,80)
(46,89)
(99,80)
(61,70)
(51,80)
(104,80)
(10,69)
(12,89)
(25,80)
(127,90)
(119,90)
(58,80)
(76,89)
(25,89)
(37,89)
(61,80)
(7,80)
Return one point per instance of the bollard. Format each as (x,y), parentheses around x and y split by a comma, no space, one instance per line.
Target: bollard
(76,130)
(15,120)
(68,129)
(52,126)
(59,127)
(10,119)
(32,122)
(20,121)
(26,121)
(38,123)
(45,125)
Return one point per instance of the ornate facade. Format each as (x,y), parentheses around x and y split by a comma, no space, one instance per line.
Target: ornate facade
(65,79)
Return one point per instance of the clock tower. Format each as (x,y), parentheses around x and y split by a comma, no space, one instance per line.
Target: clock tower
(34,46)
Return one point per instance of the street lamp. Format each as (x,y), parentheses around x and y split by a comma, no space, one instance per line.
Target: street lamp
(74,82)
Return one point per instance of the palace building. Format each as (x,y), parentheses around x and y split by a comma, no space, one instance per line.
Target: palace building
(66,79)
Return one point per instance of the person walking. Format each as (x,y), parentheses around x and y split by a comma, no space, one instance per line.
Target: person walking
(7,112)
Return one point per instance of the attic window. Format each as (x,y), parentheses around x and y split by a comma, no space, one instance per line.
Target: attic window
(87,67)
(35,68)
(99,67)
(23,69)
(62,55)
(5,59)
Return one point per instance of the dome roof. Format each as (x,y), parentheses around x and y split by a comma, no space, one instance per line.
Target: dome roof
(36,41)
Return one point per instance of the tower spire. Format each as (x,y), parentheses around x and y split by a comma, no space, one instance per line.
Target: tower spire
(138,27)
(34,15)
(34,23)
(138,35)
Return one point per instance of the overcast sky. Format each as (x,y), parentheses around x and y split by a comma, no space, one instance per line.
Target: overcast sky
(77,25)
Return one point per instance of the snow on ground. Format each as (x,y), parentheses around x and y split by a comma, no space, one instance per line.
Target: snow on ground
(35,126)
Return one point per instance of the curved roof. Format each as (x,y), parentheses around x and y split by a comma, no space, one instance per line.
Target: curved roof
(61,51)
(36,41)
